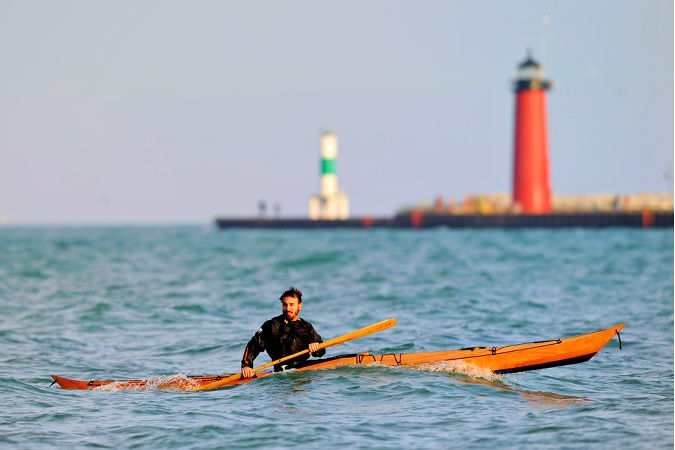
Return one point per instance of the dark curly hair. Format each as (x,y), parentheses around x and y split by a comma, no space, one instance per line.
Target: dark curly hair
(292,292)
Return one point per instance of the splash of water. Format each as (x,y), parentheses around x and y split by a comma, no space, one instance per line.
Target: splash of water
(461,368)
(176,382)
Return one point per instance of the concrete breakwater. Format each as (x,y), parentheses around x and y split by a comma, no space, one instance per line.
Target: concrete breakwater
(417,219)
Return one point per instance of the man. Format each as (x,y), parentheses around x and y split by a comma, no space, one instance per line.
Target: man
(283,335)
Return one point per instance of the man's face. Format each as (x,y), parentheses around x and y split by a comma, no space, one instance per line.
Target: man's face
(291,308)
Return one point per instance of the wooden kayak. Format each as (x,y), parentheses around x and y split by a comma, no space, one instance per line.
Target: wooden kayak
(508,359)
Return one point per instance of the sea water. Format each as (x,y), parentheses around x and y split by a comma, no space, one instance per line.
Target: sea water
(130,302)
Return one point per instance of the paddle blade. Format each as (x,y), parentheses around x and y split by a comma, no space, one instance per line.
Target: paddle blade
(374,328)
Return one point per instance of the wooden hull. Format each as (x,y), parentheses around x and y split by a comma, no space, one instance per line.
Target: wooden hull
(508,359)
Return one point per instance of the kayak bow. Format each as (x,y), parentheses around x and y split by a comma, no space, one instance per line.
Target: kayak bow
(508,359)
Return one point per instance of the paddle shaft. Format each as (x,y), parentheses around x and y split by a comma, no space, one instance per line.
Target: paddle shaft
(374,328)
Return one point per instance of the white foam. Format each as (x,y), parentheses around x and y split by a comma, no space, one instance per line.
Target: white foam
(176,382)
(460,367)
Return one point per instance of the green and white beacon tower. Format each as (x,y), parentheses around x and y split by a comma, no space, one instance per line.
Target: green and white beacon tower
(330,204)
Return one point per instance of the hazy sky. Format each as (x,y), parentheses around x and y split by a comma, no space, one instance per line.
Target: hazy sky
(157,111)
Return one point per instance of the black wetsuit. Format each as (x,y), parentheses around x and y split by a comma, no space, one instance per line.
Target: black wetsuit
(281,337)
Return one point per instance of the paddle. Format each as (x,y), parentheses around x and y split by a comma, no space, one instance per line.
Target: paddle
(374,328)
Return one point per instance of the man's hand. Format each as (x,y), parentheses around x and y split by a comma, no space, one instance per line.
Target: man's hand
(247,372)
(313,347)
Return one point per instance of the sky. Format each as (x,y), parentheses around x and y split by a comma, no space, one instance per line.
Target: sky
(178,112)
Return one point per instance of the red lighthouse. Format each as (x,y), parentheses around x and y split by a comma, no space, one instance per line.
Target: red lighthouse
(531,184)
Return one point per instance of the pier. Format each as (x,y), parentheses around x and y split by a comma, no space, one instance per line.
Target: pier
(415,219)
